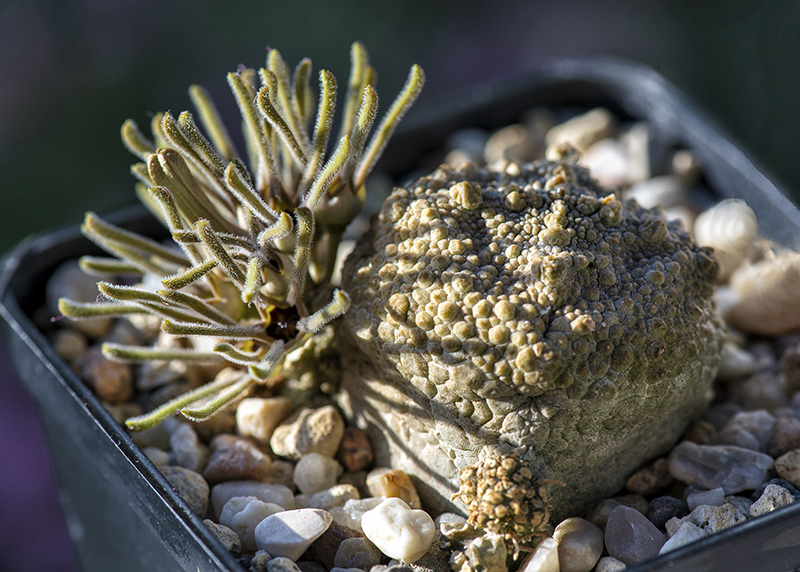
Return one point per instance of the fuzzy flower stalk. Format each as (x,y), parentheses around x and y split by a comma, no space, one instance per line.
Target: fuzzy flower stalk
(250,244)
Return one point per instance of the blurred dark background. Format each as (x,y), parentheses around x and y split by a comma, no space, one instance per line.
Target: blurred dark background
(72,71)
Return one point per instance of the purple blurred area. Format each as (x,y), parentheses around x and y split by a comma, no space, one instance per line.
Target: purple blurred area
(72,71)
(32,528)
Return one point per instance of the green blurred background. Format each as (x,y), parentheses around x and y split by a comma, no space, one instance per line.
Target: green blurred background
(72,72)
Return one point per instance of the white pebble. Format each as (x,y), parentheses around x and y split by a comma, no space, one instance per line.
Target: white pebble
(291,532)
(607,162)
(353,510)
(687,533)
(258,417)
(276,494)
(398,530)
(544,558)
(609,564)
(664,191)
(315,472)
(242,515)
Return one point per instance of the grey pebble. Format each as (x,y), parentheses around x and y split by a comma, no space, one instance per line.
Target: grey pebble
(228,538)
(191,486)
(630,537)
(713,497)
(785,436)
(188,450)
(662,509)
(711,466)
(357,552)
(282,564)
(749,430)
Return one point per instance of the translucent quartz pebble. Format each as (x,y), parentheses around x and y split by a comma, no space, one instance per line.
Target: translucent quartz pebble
(398,530)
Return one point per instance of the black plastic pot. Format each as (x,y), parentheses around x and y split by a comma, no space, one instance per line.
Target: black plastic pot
(125,516)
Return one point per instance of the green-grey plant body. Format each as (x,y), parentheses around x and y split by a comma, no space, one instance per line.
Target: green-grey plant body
(250,244)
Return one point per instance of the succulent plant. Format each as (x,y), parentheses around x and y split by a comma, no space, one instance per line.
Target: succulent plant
(249,245)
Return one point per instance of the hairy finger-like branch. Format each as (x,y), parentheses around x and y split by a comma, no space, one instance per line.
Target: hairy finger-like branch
(178,281)
(359,62)
(212,122)
(301,95)
(364,121)
(263,371)
(280,125)
(234,355)
(158,415)
(253,281)
(281,229)
(134,141)
(237,183)
(255,332)
(197,304)
(96,227)
(409,94)
(302,251)
(328,174)
(322,129)
(224,397)
(335,308)
(284,97)
(104,266)
(138,354)
(217,250)
(86,310)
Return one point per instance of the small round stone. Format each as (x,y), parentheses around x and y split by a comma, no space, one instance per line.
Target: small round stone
(580,544)
(315,472)
(235,459)
(226,536)
(188,450)
(191,486)
(111,381)
(398,530)
(357,553)
(609,564)
(355,451)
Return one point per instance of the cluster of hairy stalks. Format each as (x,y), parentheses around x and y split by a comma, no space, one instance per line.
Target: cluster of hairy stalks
(251,244)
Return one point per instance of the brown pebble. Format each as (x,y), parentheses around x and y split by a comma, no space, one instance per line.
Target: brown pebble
(785,436)
(110,380)
(323,549)
(650,479)
(790,367)
(700,431)
(355,451)
(233,458)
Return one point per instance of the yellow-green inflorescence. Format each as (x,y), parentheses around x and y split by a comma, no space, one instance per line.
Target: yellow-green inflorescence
(250,244)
